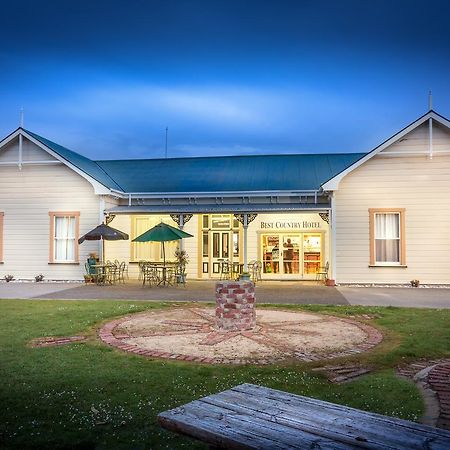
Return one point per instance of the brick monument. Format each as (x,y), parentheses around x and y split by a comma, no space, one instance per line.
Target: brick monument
(235,306)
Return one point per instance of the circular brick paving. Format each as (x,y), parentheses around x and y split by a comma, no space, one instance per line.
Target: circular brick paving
(189,334)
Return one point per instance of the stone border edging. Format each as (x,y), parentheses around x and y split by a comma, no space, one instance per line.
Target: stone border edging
(106,334)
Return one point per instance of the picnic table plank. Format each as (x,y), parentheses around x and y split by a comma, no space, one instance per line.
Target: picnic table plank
(224,429)
(249,416)
(350,429)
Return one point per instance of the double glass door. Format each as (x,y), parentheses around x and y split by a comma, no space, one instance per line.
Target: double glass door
(220,243)
(292,254)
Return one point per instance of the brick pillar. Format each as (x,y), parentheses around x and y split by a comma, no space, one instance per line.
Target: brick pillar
(235,305)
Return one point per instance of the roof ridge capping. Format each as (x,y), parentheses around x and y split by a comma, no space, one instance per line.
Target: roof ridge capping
(332,183)
(325,154)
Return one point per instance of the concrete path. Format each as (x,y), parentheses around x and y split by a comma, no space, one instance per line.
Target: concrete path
(397,296)
(201,291)
(283,292)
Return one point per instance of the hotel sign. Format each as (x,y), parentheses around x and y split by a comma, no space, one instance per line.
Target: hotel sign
(282,225)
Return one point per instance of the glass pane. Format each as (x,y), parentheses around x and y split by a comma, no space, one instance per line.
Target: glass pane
(205,221)
(216,245)
(221,221)
(311,253)
(235,223)
(291,254)
(271,253)
(236,245)
(205,245)
(387,226)
(225,246)
(387,250)
(64,239)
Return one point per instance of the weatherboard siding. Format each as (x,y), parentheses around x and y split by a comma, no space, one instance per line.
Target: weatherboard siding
(416,183)
(26,198)
(122,250)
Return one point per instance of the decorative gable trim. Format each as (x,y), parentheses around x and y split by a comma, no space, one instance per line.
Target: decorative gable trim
(333,183)
(99,188)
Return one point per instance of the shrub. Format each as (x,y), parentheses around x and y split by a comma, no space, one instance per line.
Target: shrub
(8,278)
(39,278)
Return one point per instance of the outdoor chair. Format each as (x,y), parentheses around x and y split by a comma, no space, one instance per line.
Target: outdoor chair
(141,265)
(122,267)
(150,275)
(255,271)
(180,274)
(225,270)
(322,272)
(112,273)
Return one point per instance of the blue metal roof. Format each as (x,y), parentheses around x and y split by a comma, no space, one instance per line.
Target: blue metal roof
(301,172)
(230,173)
(88,166)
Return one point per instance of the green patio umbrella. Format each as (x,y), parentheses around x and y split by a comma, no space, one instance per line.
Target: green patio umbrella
(162,233)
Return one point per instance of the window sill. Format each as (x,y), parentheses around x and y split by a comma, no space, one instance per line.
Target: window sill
(401,266)
(64,263)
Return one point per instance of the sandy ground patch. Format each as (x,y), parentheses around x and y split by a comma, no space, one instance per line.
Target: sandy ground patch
(191,332)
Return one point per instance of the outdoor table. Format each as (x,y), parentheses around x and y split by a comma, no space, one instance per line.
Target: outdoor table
(102,273)
(160,266)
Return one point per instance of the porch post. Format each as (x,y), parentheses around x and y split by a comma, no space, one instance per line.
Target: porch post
(245,225)
(101,247)
(245,219)
(181,226)
(333,236)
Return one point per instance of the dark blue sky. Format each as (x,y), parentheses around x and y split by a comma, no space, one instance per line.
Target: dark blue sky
(227,77)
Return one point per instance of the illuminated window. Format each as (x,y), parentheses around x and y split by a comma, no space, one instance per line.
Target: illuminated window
(64,230)
(149,251)
(387,237)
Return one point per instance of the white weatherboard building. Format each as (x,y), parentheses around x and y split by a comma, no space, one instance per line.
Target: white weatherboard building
(377,217)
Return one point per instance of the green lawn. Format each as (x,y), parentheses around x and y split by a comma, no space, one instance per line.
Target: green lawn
(88,395)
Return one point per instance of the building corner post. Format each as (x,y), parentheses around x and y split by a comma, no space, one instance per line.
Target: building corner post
(333,276)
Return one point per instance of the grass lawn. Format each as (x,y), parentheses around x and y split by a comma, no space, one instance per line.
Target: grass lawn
(88,395)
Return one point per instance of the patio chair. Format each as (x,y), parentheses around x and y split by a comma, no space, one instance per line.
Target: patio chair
(122,267)
(112,273)
(225,270)
(322,272)
(141,265)
(150,275)
(180,274)
(255,271)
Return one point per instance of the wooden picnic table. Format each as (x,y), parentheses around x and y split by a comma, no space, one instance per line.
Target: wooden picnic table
(255,417)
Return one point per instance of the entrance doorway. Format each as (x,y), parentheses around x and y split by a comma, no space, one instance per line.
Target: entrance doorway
(292,255)
(220,242)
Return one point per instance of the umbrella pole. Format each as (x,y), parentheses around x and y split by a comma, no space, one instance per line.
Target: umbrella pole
(164,253)
(103,251)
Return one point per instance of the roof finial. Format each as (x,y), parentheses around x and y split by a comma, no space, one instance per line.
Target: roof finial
(430,100)
(21,117)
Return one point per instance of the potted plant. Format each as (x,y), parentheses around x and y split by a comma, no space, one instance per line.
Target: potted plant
(415,283)
(182,259)
(88,279)
(244,276)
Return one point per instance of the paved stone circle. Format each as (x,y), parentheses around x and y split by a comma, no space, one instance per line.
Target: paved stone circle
(189,334)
